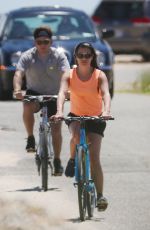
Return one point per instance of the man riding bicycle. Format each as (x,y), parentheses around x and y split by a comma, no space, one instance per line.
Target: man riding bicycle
(43,66)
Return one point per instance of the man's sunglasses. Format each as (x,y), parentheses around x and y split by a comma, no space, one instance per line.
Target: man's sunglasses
(42,42)
(86,55)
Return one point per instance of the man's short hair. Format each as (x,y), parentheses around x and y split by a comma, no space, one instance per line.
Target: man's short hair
(42,31)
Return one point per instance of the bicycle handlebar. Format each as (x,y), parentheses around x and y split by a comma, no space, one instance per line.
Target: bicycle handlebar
(40,98)
(85,118)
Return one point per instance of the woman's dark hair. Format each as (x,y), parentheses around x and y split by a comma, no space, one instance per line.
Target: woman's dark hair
(42,31)
(89,46)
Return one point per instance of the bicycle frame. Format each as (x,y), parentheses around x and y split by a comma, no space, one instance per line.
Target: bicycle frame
(45,126)
(45,132)
(85,146)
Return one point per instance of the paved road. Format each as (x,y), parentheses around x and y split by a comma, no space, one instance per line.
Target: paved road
(126,164)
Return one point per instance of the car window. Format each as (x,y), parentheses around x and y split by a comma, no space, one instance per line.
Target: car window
(2,22)
(68,25)
(148,8)
(122,10)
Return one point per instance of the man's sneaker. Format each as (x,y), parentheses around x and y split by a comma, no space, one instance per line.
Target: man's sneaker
(70,169)
(102,203)
(58,169)
(30,144)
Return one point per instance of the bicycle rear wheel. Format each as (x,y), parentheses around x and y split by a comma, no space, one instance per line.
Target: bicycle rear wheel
(44,163)
(82,193)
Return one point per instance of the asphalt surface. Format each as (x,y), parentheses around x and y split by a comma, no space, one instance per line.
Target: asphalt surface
(126,164)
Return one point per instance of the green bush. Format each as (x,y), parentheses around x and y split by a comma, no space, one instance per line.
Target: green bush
(143,83)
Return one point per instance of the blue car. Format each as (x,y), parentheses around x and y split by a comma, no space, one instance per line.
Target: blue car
(69,27)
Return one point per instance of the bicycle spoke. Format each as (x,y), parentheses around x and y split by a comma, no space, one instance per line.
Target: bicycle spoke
(82,193)
(91,202)
(44,162)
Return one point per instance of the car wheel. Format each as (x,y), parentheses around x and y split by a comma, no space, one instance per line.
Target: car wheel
(5,95)
(1,91)
(146,57)
(111,90)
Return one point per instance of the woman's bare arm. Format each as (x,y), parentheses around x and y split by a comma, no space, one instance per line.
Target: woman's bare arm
(105,93)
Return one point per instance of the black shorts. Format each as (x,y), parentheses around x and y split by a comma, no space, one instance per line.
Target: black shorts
(96,126)
(52,105)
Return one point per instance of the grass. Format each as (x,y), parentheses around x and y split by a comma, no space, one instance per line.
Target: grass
(141,85)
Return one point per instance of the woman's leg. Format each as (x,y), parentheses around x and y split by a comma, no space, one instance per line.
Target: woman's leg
(74,131)
(74,128)
(96,169)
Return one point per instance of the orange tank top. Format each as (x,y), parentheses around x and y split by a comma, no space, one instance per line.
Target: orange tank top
(85,96)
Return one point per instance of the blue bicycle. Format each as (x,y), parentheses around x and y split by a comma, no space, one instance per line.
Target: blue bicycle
(83,180)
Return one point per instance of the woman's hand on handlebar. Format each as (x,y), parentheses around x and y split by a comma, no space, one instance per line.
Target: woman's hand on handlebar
(106,115)
(57,117)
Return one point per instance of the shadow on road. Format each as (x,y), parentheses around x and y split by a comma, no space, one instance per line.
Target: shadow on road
(35,189)
(77,220)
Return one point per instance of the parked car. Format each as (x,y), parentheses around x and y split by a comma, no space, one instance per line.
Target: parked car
(130,20)
(69,27)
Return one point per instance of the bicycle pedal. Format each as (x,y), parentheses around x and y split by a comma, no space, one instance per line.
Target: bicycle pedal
(31,150)
(102,207)
(57,174)
(75,184)
(51,167)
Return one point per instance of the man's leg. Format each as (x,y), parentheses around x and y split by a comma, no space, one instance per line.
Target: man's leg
(28,118)
(57,145)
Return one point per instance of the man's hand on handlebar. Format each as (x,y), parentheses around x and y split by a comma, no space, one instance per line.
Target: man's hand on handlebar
(18,95)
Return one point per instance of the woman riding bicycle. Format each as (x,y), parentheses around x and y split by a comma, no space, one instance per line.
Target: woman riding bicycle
(89,96)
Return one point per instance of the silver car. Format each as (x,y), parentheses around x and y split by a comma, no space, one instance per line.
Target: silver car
(130,20)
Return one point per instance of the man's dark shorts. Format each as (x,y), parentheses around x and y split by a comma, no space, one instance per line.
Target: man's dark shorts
(52,105)
(96,126)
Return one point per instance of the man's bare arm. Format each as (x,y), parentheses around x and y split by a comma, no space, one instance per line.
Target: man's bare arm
(62,92)
(17,83)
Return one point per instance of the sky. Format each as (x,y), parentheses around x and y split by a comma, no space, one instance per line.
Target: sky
(87,5)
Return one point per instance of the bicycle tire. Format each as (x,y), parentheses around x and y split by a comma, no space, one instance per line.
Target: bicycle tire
(44,163)
(82,193)
(91,202)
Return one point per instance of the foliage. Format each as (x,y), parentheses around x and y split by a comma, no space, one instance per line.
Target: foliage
(142,85)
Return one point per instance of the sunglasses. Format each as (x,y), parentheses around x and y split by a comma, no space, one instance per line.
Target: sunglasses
(42,42)
(86,55)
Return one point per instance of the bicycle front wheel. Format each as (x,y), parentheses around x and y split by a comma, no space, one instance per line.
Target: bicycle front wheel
(82,193)
(44,163)
(91,201)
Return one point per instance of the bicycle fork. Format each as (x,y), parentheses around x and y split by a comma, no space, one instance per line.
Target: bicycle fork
(87,181)
(44,136)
